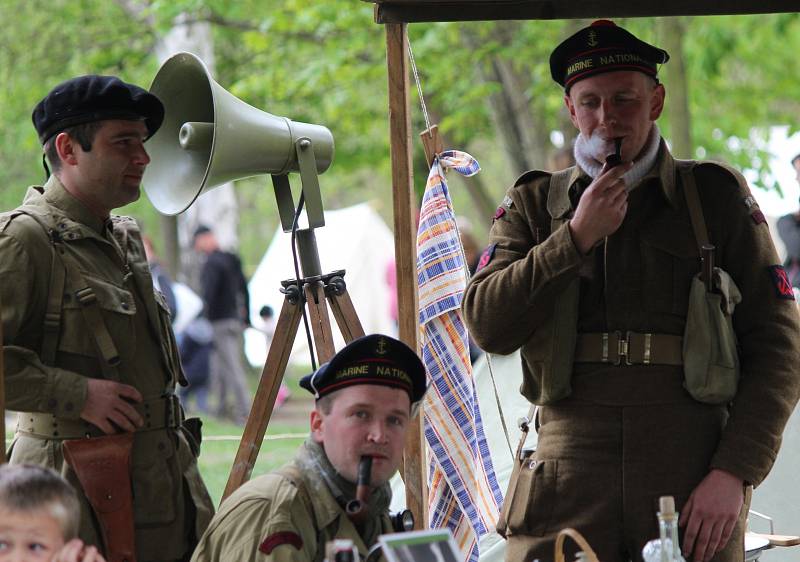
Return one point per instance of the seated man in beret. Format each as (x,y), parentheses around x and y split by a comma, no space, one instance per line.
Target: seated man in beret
(593,273)
(90,356)
(364,399)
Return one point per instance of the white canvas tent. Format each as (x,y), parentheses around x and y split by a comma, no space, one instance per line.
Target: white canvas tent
(355,239)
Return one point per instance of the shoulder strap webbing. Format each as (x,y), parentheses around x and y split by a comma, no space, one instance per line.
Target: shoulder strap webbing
(52,316)
(63,268)
(686,169)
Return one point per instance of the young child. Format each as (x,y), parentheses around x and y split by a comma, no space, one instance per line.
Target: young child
(39,515)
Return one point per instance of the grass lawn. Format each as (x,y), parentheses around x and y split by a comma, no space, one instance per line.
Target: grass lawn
(217,452)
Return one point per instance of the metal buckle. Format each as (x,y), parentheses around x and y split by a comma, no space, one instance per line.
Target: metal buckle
(623,348)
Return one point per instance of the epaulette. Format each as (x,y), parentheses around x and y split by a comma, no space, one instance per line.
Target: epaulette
(723,167)
(530,175)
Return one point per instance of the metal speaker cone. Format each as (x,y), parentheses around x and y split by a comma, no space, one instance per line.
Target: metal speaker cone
(210,137)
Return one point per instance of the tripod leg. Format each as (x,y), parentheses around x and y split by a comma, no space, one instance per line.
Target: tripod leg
(345,314)
(264,401)
(320,322)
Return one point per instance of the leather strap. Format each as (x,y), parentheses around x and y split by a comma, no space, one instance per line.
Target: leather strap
(685,168)
(158,413)
(103,467)
(629,348)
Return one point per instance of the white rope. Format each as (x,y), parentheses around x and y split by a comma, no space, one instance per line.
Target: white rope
(419,85)
(275,437)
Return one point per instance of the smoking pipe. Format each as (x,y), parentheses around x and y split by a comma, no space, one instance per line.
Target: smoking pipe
(615,159)
(356,509)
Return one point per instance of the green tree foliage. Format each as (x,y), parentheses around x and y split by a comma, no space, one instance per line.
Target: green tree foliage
(325,62)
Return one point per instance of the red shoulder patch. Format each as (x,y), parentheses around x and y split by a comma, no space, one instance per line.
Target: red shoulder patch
(783,288)
(499,213)
(277,539)
(758,217)
(486,257)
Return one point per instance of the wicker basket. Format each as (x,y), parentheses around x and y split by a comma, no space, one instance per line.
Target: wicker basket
(578,538)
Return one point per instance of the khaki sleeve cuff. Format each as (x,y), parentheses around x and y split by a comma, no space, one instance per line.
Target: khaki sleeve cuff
(64,395)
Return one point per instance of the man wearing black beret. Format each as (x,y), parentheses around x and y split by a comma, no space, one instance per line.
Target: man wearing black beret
(364,401)
(91,360)
(651,379)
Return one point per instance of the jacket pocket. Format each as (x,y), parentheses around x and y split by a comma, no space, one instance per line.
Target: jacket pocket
(531,502)
(117,309)
(670,259)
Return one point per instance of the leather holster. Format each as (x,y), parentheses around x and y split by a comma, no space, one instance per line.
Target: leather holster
(103,467)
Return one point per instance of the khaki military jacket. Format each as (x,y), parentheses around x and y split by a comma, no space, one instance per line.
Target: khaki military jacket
(272,518)
(638,279)
(111,260)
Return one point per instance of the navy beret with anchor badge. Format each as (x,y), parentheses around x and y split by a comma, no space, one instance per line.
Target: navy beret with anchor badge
(603,47)
(373,359)
(90,98)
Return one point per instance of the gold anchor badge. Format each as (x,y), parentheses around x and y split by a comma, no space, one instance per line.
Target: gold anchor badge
(382,347)
(592,39)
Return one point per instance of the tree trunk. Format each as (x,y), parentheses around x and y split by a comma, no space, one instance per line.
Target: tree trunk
(217,208)
(509,109)
(671,32)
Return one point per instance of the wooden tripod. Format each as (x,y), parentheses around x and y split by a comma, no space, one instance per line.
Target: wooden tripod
(316,291)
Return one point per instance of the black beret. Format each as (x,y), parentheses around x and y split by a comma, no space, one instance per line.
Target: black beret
(603,47)
(373,359)
(94,98)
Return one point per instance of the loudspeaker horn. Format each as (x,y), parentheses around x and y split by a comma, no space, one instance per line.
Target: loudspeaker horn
(210,137)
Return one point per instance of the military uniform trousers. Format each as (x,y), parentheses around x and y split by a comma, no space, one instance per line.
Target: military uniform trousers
(626,436)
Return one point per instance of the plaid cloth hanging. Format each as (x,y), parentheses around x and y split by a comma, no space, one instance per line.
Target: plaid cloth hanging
(464,494)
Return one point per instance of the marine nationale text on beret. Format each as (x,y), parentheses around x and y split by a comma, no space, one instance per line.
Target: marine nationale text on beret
(603,47)
(373,359)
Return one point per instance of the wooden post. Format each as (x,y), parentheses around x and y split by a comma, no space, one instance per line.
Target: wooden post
(414,472)
(2,395)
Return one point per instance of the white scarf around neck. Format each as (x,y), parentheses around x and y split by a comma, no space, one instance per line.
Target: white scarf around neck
(641,166)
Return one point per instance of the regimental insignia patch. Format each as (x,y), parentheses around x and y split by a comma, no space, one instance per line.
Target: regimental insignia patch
(758,217)
(486,257)
(783,288)
(277,539)
(749,202)
(504,206)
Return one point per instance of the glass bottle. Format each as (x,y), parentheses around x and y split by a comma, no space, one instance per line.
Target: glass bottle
(668,530)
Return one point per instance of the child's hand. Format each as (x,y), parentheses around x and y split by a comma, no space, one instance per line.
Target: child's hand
(74,551)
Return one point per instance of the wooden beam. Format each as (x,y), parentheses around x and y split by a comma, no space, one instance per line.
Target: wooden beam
(2,395)
(404,205)
(409,11)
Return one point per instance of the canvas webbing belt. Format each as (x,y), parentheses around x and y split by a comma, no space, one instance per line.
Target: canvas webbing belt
(629,348)
(159,413)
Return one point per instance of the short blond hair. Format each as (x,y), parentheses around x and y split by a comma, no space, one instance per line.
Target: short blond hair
(27,487)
